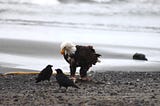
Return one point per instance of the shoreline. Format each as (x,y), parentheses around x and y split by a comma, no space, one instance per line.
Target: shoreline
(35,55)
(7,70)
(105,89)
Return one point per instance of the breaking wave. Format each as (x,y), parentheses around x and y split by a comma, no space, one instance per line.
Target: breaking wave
(129,15)
(38,2)
(51,2)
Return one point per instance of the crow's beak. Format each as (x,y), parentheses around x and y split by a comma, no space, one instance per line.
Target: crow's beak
(56,70)
(62,51)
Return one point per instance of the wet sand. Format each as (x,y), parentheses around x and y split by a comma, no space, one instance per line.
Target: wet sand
(29,48)
(106,89)
(35,55)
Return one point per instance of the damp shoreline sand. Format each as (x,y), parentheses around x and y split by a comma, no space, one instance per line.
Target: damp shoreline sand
(106,89)
(26,55)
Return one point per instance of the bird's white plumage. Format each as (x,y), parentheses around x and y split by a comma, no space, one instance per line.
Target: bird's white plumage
(69,47)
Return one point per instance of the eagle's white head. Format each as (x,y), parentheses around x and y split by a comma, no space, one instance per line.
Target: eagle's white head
(68,48)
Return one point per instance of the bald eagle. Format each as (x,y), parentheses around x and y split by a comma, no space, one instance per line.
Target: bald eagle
(79,56)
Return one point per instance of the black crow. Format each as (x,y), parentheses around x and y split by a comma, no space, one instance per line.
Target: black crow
(45,74)
(63,80)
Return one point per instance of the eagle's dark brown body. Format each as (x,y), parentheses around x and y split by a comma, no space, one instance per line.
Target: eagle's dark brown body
(84,57)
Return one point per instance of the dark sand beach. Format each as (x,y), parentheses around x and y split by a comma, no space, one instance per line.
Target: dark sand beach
(106,89)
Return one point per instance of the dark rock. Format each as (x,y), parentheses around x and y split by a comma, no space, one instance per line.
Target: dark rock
(139,56)
(15,100)
(113,93)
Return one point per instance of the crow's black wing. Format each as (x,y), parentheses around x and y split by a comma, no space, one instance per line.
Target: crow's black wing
(63,80)
(41,76)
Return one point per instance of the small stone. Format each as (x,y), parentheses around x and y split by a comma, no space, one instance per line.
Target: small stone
(153,97)
(138,80)
(15,100)
(108,83)
(113,93)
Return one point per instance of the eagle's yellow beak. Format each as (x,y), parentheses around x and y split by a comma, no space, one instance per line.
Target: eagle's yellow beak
(62,51)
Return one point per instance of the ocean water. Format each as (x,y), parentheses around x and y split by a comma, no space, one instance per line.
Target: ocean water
(31,32)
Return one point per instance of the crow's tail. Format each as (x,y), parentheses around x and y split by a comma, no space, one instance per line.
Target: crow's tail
(76,86)
(37,80)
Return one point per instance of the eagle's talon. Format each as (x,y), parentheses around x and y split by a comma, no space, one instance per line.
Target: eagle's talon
(73,79)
